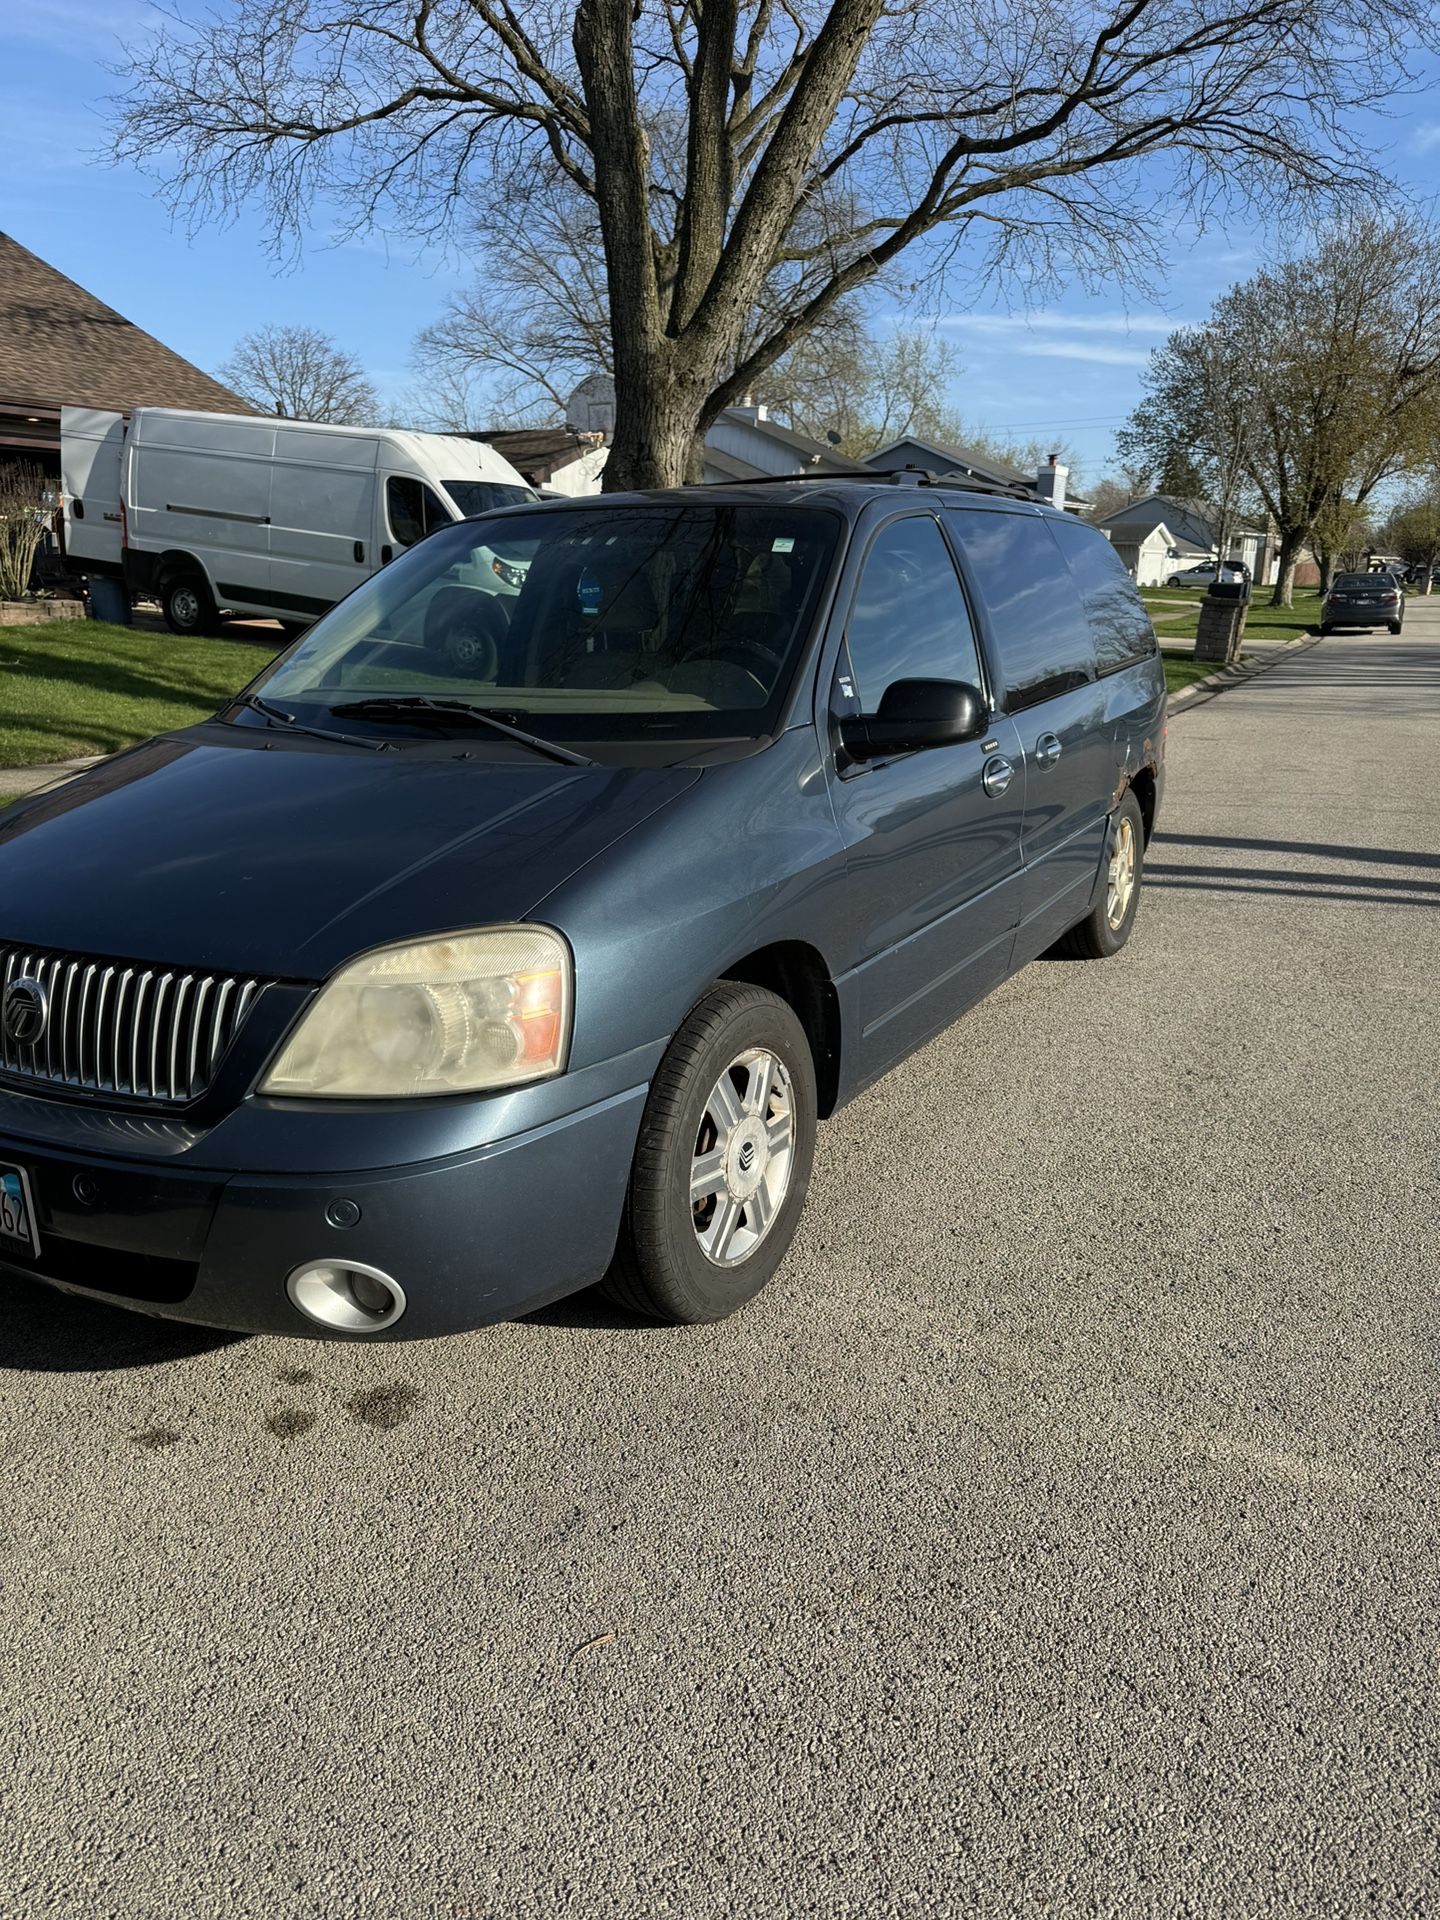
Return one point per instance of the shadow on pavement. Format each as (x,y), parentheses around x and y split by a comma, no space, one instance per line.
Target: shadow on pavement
(591,1312)
(1385,888)
(45,1331)
(1367,856)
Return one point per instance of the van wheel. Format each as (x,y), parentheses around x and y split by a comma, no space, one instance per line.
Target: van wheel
(723,1162)
(1107,927)
(187,605)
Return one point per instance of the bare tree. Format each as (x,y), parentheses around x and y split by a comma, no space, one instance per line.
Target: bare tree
(744,148)
(1324,372)
(1109,495)
(1413,529)
(27,500)
(866,389)
(300,373)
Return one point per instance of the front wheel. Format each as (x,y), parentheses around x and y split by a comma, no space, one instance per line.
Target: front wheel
(723,1161)
(1108,925)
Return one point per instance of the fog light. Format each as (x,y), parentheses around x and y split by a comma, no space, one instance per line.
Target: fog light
(344,1295)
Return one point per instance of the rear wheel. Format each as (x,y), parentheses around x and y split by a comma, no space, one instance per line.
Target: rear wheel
(1395,626)
(723,1162)
(187,604)
(1108,925)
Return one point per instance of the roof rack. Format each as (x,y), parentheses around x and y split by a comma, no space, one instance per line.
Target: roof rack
(895,477)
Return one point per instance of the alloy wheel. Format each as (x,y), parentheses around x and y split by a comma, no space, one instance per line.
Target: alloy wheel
(1120,882)
(743,1157)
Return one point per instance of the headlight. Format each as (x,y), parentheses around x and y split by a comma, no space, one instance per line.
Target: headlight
(461,1015)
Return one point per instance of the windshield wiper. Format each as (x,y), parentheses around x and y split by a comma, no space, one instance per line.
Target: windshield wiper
(420,708)
(293,725)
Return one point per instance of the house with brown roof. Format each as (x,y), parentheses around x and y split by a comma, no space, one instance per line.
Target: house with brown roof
(61,347)
(554,459)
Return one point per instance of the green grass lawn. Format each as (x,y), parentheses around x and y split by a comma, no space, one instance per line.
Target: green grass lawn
(1176,612)
(1183,669)
(74,687)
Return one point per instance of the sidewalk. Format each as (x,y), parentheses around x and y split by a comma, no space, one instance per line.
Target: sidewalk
(17,780)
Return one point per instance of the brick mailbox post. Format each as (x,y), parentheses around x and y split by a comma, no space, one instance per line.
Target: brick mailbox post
(1222,621)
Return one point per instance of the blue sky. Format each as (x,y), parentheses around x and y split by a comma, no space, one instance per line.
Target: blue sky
(1070,369)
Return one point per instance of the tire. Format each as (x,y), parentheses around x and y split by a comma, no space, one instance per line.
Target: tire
(470,655)
(1395,626)
(1099,935)
(187,604)
(686,1262)
(1324,630)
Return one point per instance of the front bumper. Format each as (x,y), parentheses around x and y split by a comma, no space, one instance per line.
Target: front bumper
(472,1237)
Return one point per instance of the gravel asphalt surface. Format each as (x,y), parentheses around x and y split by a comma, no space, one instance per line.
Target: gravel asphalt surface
(1056,1537)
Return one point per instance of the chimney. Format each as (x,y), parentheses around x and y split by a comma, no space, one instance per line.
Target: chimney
(748,409)
(1050,481)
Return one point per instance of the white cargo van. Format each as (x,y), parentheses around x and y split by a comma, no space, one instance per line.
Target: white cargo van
(212,511)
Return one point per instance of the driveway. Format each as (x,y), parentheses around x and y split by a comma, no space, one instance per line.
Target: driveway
(1056,1537)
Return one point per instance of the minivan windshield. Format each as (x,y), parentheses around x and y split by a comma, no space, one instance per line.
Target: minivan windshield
(588,622)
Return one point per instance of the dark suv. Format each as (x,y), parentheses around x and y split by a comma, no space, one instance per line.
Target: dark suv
(518,925)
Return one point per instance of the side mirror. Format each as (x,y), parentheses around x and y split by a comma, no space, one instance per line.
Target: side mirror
(915,715)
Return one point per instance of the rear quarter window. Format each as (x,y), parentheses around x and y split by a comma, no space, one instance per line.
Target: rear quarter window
(1121,627)
(1040,628)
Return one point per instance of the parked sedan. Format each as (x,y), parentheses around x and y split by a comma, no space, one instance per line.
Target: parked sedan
(1203,575)
(1363,600)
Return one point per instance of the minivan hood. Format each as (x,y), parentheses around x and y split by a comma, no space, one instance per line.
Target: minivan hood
(250,852)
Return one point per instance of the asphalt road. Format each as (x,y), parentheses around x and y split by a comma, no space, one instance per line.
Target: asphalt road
(1057,1536)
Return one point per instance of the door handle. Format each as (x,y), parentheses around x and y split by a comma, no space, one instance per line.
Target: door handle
(387,554)
(1047,750)
(997,776)
(360,551)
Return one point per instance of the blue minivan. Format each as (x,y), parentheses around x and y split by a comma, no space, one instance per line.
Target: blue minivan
(516,928)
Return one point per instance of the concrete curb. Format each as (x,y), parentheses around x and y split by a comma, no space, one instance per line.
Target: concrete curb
(1200,692)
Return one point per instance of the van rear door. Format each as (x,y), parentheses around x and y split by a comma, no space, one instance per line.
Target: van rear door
(322,519)
(92,443)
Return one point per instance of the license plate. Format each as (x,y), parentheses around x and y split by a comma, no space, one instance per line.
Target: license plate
(17,1216)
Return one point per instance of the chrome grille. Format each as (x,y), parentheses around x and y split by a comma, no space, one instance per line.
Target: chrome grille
(144,1031)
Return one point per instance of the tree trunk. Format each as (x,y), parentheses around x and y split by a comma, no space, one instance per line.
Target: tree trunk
(1327,571)
(1284,594)
(657,440)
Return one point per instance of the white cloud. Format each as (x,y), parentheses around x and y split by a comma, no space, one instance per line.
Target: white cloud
(1425,139)
(79,28)
(1081,323)
(1082,350)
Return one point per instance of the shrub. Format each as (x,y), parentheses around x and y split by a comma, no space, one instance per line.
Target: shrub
(26,501)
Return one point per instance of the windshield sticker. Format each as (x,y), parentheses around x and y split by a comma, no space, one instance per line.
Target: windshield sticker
(784,544)
(588,592)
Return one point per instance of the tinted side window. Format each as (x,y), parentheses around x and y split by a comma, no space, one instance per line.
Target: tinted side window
(413,509)
(1035,611)
(1118,619)
(909,620)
